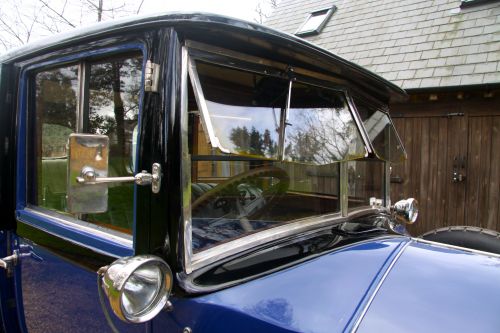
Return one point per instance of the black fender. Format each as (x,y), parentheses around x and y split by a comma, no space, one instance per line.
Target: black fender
(465,236)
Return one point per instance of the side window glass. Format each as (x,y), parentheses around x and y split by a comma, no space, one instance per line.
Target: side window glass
(56,95)
(112,92)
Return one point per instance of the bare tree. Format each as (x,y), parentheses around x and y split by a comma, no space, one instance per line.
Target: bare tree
(264,8)
(22,20)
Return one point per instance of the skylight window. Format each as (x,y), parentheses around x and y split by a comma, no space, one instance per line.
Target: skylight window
(471,3)
(315,22)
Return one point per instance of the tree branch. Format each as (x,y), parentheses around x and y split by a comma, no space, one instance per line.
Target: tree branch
(58,14)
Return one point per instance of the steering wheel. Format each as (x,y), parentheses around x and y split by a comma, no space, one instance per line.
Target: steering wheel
(243,195)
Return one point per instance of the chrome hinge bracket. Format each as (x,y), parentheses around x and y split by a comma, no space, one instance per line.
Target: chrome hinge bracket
(151,76)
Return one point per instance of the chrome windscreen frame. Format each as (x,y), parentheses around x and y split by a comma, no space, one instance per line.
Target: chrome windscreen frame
(194,50)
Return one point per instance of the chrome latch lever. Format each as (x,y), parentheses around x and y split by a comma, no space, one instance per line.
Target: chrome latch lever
(88,176)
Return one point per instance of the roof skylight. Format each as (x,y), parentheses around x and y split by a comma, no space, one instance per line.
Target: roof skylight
(315,22)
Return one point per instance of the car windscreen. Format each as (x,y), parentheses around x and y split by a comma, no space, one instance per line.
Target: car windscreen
(273,157)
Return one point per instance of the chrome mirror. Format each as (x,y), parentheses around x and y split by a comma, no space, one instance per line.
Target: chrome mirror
(137,287)
(87,152)
(406,211)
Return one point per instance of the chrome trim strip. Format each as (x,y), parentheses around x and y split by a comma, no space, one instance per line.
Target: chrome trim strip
(80,101)
(344,189)
(224,250)
(283,123)
(113,235)
(202,104)
(359,124)
(455,247)
(377,288)
(397,134)
(186,230)
(387,183)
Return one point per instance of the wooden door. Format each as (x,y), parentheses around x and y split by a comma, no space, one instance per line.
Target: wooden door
(483,177)
(436,146)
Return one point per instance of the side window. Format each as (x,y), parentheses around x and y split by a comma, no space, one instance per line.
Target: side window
(114,91)
(108,105)
(56,107)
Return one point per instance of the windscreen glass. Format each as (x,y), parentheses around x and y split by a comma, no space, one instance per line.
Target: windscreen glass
(381,132)
(320,129)
(244,109)
(237,195)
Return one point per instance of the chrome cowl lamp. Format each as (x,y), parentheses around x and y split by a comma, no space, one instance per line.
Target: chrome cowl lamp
(406,211)
(137,287)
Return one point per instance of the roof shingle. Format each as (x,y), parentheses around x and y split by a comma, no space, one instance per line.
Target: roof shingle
(415,43)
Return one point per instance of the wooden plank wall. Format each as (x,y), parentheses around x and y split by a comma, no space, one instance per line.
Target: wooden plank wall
(431,144)
(483,183)
(434,134)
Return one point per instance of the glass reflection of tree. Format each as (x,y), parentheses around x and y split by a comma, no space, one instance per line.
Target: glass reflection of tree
(320,136)
(253,142)
(56,104)
(114,100)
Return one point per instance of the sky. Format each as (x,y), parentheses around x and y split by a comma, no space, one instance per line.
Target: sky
(243,9)
(17,16)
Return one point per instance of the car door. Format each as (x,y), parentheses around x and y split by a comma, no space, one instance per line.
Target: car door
(60,252)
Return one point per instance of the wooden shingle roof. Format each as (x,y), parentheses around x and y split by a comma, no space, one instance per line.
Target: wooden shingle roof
(413,43)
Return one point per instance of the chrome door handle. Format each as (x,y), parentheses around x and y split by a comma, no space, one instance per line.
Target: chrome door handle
(24,251)
(88,176)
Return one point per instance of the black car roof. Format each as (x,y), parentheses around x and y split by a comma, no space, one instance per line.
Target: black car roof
(194,19)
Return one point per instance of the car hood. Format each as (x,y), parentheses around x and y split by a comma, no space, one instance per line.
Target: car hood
(384,285)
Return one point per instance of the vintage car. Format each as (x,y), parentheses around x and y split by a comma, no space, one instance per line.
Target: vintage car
(197,173)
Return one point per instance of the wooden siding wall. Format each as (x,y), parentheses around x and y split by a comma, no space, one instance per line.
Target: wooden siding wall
(483,182)
(443,137)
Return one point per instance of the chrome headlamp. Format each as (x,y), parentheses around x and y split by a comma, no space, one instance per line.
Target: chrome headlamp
(137,287)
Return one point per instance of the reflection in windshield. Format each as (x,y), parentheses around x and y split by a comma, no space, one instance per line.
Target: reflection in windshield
(246,130)
(231,197)
(381,132)
(320,128)
(247,112)
(244,108)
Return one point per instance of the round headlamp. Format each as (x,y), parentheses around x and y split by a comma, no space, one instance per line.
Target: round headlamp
(137,287)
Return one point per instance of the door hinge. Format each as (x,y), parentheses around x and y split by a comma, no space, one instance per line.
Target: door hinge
(151,76)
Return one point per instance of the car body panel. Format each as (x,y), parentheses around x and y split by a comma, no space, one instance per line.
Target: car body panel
(383,285)
(434,288)
(323,294)
(59,296)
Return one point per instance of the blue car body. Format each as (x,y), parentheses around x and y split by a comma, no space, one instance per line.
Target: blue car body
(386,284)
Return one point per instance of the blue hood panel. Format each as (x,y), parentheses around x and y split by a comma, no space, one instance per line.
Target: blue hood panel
(436,289)
(383,285)
(320,295)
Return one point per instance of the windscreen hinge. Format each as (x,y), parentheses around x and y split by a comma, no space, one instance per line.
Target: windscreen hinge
(151,76)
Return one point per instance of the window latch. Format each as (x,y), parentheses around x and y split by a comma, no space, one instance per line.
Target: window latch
(88,176)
